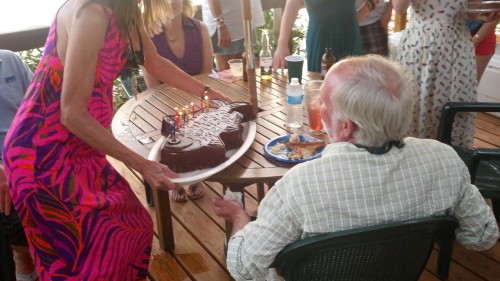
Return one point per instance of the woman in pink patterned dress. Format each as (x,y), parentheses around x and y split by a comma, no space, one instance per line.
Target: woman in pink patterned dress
(82,220)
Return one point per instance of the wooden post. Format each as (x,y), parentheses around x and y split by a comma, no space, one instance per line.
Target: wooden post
(252,84)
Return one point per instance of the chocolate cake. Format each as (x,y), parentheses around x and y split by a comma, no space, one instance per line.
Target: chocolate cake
(202,141)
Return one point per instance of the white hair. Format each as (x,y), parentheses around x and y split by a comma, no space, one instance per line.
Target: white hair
(377,95)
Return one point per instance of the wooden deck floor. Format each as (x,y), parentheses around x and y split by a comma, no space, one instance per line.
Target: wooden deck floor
(199,233)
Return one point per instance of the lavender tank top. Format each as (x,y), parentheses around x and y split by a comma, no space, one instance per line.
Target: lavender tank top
(192,62)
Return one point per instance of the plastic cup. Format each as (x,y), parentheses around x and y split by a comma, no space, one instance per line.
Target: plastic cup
(236,66)
(313,106)
(295,64)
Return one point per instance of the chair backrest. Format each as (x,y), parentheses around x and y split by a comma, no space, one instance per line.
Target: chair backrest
(451,108)
(483,163)
(395,251)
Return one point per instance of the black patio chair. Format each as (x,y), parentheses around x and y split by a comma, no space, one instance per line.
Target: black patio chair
(483,163)
(394,251)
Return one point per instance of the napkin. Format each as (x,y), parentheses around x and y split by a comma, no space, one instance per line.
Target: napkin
(224,75)
(233,196)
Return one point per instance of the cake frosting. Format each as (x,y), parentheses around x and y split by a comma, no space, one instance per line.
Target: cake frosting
(203,140)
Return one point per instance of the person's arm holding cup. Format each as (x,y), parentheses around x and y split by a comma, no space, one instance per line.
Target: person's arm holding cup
(290,13)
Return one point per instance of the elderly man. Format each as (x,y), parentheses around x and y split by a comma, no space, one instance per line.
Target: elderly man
(370,174)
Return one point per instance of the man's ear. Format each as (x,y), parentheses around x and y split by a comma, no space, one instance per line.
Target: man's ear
(347,129)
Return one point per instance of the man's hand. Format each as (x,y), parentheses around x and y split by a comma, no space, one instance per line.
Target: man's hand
(232,212)
(5,199)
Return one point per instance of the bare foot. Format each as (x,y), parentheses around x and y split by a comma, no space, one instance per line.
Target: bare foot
(196,191)
(178,195)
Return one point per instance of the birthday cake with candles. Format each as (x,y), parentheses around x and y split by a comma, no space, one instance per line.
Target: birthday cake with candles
(201,140)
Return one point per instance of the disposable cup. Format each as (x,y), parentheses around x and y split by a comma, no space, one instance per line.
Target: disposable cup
(313,106)
(236,66)
(295,64)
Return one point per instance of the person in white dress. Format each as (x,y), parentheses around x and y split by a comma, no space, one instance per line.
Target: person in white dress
(437,50)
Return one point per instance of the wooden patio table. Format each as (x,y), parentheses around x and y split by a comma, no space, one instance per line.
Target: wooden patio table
(137,124)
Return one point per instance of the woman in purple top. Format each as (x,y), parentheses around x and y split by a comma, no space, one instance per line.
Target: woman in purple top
(185,42)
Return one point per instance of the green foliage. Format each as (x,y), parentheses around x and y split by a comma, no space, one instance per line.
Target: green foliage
(31,57)
(298,33)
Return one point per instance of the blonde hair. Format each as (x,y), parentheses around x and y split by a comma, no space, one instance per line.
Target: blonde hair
(131,13)
(188,9)
(377,95)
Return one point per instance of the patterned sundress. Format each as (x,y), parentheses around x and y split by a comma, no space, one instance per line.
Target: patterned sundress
(437,50)
(82,219)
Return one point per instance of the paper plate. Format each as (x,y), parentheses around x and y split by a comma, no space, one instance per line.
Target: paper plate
(282,155)
(249,130)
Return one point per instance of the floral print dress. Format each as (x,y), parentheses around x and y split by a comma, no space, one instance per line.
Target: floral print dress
(437,51)
(81,218)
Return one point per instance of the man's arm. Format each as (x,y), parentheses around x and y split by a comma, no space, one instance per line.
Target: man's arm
(254,246)
(478,229)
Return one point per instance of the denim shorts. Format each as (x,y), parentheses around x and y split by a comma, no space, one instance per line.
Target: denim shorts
(237,46)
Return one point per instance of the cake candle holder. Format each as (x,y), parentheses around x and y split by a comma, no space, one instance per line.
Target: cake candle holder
(181,119)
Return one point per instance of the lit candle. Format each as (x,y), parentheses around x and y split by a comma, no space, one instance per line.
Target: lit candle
(206,102)
(176,122)
(192,109)
(202,106)
(176,111)
(181,118)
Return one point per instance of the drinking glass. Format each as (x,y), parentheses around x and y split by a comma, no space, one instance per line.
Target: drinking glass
(312,105)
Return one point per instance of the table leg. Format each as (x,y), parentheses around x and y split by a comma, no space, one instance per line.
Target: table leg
(149,195)
(164,220)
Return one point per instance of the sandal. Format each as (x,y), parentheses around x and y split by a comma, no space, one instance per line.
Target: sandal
(27,277)
(178,195)
(196,191)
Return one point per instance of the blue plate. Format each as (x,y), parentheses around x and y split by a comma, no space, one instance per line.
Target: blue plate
(282,156)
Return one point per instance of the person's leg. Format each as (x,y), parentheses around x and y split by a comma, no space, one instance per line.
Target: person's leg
(481,63)
(484,52)
(14,233)
(222,56)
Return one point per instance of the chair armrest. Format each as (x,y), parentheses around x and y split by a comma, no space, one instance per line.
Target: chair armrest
(451,108)
(482,154)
